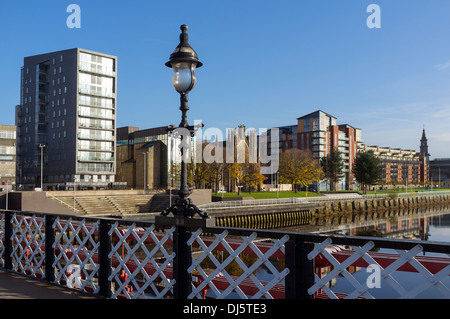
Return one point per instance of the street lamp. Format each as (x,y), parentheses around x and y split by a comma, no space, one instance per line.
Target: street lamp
(145,169)
(41,146)
(184,61)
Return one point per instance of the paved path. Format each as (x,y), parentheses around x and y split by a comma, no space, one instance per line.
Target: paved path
(15,286)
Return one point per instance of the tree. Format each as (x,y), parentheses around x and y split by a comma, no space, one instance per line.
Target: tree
(297,167)
(236,173)
(214,175)
(367,169)
(333,167)
(252,176)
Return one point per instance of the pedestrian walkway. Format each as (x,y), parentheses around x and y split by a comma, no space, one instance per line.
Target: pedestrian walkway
(15,286)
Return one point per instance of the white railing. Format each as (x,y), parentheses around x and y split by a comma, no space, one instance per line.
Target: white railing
(118,258)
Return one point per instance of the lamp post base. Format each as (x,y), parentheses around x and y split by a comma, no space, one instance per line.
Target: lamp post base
(184,208)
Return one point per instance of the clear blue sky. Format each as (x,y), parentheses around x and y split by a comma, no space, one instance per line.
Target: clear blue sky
(265,62)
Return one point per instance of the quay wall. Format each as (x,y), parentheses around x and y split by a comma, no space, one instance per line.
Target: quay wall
(381,203)
(263,216)
(287,215)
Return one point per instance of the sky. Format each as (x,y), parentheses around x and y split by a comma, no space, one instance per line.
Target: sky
(266,63)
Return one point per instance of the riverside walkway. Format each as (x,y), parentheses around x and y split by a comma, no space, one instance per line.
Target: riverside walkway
(15,286)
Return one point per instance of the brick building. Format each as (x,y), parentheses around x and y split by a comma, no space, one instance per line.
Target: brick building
(145,157)
(319,133)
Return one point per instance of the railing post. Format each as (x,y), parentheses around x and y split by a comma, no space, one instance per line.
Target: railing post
(181,263)
(49,249)
(301,269)
(105,262)
(183,252)
(8,241)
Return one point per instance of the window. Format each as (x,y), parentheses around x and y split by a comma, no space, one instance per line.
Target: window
(7,150)
(8,134)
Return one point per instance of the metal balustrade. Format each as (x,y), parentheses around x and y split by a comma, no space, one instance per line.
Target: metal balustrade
(118,258)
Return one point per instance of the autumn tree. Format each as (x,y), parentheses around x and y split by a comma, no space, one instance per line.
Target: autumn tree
(252,176)
(297,167)
(236,173)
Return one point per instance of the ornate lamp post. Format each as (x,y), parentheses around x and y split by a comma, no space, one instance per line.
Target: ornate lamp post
(184,61)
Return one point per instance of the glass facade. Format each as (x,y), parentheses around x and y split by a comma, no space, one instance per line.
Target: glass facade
(96,117)
(96,64)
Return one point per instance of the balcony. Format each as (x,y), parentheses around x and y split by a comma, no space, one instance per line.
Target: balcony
(96,69)
(318,141)
(83,89)
(99,137)
(95,159)
(94,113)
(96,126)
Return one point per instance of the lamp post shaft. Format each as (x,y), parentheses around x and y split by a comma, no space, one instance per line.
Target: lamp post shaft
(184,108)
(184,188)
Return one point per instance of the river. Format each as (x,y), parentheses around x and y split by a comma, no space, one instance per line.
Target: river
(430,224)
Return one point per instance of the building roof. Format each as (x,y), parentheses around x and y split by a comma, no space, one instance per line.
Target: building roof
(123,133)
(73,49)
(348,125)
(315,113)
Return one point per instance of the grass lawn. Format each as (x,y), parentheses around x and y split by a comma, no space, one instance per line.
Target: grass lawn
(262,195)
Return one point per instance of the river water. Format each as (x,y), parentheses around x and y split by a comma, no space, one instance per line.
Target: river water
(430,224)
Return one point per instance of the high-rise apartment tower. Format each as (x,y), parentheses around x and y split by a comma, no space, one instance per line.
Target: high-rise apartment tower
(66,119)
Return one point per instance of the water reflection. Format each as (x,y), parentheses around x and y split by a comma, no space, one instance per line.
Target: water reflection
(426,223)
(423,223)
